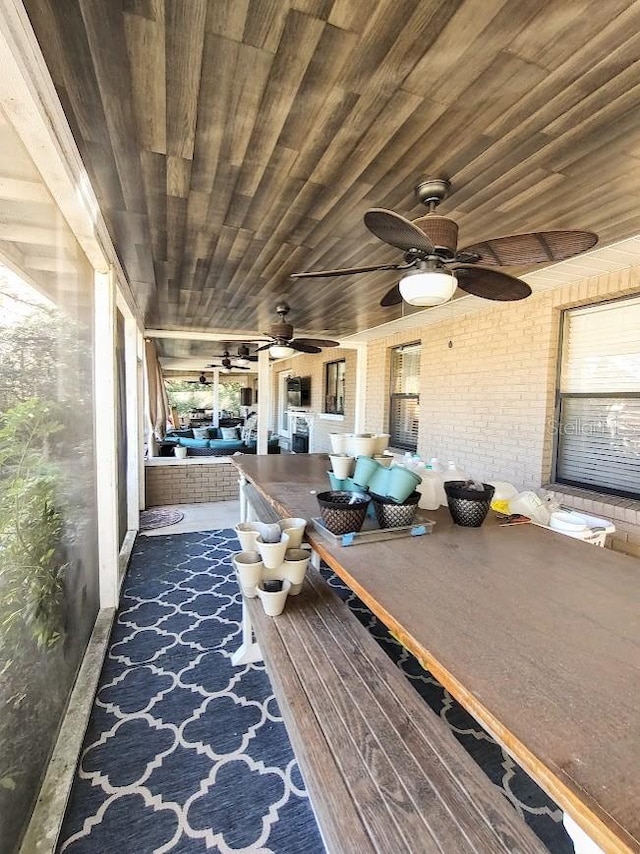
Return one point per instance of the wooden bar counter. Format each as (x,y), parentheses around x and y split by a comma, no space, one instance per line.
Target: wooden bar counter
(535,633)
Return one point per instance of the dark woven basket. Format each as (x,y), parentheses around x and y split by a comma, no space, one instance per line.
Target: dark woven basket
(390,514)
(468,507)
(343,512)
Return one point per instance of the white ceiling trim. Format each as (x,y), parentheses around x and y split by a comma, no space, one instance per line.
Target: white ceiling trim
(606,259)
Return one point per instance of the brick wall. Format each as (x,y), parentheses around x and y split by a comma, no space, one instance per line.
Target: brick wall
(487,392)
(194,481)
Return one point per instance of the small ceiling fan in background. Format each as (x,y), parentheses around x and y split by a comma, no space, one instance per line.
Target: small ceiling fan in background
(283,344)
(202,380)
(433,265)
(240,362)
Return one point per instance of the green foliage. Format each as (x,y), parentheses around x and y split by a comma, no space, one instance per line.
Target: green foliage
(185,396)
(39,349)
(32,566)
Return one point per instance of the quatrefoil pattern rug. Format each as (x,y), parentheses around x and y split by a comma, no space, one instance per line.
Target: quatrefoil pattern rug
(185,753)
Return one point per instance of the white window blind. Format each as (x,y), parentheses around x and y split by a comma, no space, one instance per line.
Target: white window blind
(404,410)
(598,442)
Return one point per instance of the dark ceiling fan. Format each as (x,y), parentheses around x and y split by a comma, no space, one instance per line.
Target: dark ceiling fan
(202,380)
(245,353)
(281,338)
(433,265)
(237,363)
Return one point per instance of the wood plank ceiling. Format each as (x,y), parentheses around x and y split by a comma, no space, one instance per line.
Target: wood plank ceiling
(232,142)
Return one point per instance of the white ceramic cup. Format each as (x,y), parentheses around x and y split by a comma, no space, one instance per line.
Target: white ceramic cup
(273,603)
(247,533)
(338,442)
(249,568)
(294,568)
(295,529)
(272,554)
(381,443)
(363,446)
(342,465)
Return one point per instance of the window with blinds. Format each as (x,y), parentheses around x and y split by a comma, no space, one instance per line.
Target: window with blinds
(598,415)
(404,409)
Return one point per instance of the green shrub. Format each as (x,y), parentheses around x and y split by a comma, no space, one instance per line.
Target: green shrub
(32,564)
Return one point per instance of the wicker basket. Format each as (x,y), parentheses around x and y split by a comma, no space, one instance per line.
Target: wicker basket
(390,514)
(468,507)
(343,512)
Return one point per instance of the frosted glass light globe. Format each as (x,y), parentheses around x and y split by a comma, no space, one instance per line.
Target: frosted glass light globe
(427,288)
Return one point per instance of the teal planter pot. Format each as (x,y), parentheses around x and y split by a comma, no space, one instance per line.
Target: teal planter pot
(364,470)
(379,480)
(402,483)
(346,484)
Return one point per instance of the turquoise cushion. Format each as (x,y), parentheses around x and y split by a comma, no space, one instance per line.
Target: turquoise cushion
(186,433)
(225,443)
(194,443)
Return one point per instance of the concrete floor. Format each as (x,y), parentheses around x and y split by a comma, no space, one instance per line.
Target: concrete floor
(199,517)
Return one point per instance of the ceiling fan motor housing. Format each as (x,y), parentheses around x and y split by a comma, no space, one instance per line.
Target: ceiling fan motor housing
(442,232)
(282,330)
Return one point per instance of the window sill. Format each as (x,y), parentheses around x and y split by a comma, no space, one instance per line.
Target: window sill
(598,503)
(330,416)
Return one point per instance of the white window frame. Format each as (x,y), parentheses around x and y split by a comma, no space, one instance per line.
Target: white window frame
(597,413)
(395,397)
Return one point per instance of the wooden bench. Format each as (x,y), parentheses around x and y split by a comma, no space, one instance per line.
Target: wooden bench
(383,772)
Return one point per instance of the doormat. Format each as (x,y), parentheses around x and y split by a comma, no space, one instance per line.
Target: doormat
(159,518)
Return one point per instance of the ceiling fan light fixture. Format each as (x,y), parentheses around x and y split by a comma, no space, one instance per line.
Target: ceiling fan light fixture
(280,351)
(241,362)
(427,287)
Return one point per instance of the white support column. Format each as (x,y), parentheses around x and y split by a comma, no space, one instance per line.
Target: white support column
(216,397)
(133,405)
(142,502)
(106,437)
(361,388)
(264,406)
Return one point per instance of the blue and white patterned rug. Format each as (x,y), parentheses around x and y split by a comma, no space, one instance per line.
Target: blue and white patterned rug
(185,753)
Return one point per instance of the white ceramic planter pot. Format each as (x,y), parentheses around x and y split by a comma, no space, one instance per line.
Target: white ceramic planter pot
(363,446)
(295,529)
(382,443)
(269,531)
(294,568)
(249,568)
(180,452)
(342,465)
(272,554)
(339,442)
(247,533)
(273,603)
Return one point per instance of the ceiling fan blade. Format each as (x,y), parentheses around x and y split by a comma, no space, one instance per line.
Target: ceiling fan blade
(319,274)
(264,347)
(538,247)
(397,231)
(490,284)
(304,348)
(392,297)
(315,342)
